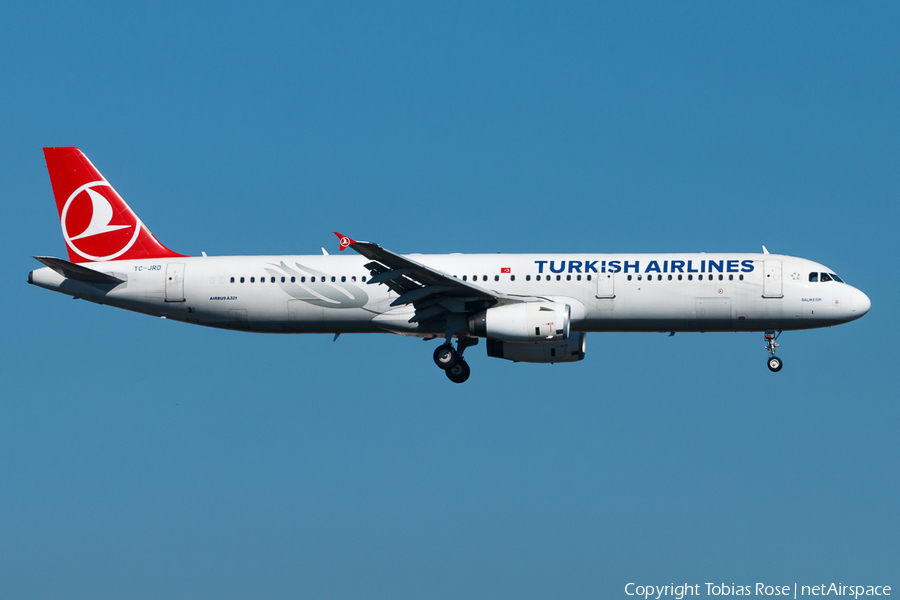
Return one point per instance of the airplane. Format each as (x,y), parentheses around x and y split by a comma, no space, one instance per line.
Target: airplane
(534,308)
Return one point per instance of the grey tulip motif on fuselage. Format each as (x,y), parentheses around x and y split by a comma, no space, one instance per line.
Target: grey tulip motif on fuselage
(323,292)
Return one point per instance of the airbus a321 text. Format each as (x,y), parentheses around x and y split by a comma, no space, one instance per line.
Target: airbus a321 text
(527,307)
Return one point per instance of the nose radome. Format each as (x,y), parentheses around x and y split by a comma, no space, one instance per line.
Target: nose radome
(861,304)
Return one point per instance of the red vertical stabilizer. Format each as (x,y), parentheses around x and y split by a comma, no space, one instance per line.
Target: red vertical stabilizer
(96,223)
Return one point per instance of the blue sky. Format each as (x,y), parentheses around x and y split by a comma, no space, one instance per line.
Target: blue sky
(142,458)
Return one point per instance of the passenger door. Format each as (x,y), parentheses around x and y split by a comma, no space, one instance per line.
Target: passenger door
(175,282)
(772,287)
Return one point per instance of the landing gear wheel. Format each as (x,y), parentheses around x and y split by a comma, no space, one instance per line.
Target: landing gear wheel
(459,372)
(445,356)
(774,362)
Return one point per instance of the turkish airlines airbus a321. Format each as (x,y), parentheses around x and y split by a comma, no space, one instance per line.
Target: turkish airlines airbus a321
(528,307)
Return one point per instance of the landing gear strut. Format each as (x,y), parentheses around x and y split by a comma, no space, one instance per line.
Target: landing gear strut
(773,362)
(451,361)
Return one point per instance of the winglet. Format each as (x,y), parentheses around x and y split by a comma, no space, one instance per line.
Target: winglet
(345,241)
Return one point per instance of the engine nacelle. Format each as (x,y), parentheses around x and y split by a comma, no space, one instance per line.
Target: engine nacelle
(570,350)
(523,322)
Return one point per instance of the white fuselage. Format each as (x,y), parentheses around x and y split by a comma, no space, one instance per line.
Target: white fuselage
(606,292)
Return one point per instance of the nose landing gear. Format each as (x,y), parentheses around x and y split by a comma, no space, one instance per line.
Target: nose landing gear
(774,363)
(451,361)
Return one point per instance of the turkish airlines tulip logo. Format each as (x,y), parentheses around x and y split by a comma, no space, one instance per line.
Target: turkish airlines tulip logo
(97,224)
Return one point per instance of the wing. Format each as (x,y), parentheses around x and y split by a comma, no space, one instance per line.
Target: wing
(435,295)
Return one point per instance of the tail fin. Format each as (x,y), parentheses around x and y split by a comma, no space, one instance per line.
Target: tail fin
(96,223)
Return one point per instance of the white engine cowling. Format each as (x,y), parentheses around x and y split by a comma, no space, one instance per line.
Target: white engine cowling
(523,322)
(570,350)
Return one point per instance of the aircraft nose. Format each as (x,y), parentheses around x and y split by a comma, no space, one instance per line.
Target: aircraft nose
(861,304)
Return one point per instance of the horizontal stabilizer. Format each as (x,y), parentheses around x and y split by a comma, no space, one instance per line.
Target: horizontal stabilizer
(77,272)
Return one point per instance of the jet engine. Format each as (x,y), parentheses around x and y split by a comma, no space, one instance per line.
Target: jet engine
(570,350)
(523,322)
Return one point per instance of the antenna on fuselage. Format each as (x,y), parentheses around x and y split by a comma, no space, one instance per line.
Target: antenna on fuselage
(765,250)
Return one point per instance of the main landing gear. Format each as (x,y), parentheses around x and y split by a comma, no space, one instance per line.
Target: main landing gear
(451,361)
(774,362)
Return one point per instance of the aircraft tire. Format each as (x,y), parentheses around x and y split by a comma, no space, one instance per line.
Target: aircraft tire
(445,356)
(774,363)
(459,372)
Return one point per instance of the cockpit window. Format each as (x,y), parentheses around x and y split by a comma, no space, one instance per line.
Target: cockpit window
(825,277)
(813,277)
(836,278)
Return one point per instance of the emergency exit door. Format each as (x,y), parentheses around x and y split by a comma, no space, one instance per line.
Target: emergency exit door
(606,285)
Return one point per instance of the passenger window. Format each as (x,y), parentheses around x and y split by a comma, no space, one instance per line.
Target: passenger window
(690,277)
(559,277)
(639,277)
(825,277)
(741,277)
(465,277)
(253,280)
(333,279)
(293,279)
(512,277)
(242,280)
(629,278)
(568,278)
(363,278)
(679,277)
(731,278)
(496,278)
(578,277)
(303,280)
(528,278)
(353,278)
(659,278)
(721,277)
(343,278)
(670,277)
(282,280)
(484,277)
(232,280)
(273,279)
(589,278)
